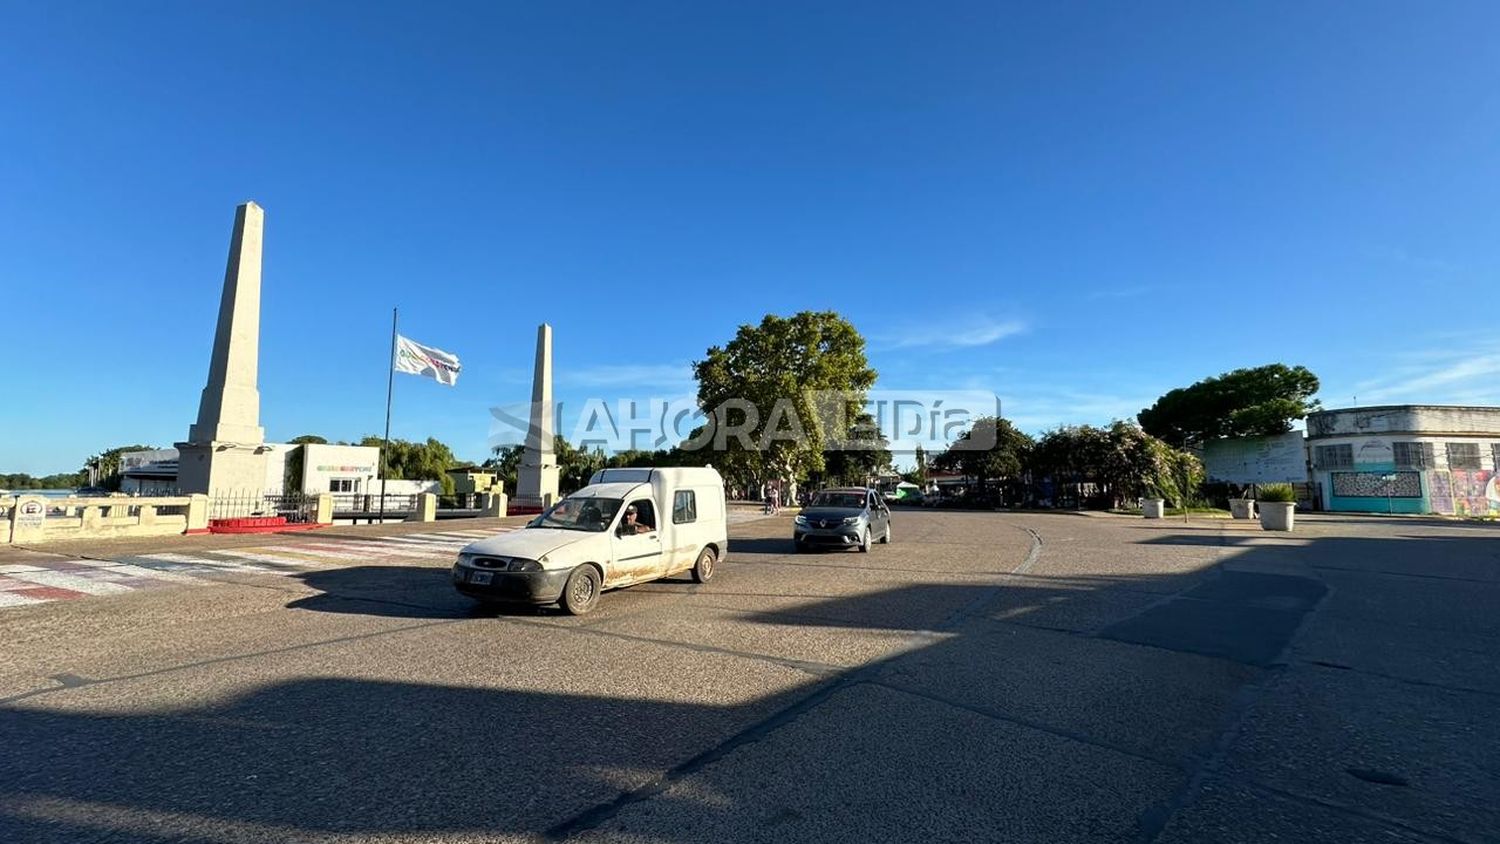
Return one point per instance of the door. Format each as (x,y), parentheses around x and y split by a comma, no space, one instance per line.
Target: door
(686,535)
(636,544)
(880,518)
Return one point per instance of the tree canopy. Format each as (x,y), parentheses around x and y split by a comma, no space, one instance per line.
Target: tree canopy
(61,480)
(1257,402)
(765,392)
(1006,458)
(429,461)
(1124,460)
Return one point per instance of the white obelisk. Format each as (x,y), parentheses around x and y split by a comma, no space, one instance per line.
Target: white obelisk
(536,482)
(225,447)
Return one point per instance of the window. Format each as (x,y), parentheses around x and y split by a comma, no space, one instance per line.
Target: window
(684,507)
(341,485)
(1463,456)
(645,514)
(1334,457)
(1414,455)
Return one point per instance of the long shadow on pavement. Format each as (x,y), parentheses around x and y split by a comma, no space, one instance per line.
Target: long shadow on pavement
(1000,719)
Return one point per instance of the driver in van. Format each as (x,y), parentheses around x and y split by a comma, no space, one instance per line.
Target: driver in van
(630,525)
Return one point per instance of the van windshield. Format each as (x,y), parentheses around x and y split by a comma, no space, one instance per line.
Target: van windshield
(586,513)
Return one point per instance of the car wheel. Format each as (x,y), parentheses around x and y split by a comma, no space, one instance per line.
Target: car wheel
(703,570)
(864,542)
(581,592)
(886,540)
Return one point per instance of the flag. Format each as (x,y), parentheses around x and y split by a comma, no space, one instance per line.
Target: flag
(417,359)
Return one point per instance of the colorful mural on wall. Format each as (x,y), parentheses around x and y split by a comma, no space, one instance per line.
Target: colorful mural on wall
(1474,493)
(1466,493)
(1441,499)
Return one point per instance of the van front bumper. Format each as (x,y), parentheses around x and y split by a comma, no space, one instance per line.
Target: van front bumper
(529,587)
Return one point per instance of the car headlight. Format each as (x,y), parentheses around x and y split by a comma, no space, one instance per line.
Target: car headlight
(801,520)
(466,559)
(853,520)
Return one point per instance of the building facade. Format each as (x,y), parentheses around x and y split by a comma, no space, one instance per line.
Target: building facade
(289,467)
(1406,459)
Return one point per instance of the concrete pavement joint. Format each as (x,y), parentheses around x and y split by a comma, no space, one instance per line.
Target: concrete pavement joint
(1417,575)
(1154,820)
(817,669)
(1026,723)
(235,658)
(1335,806)
(1426,684)
(602,813)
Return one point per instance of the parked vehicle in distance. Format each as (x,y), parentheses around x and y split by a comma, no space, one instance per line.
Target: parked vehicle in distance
(627,526)
(850,517)
(91,492)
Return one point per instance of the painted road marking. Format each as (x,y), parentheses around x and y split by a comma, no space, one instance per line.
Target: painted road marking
(27,584)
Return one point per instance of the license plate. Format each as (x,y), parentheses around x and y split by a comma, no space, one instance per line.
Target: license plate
(481,578)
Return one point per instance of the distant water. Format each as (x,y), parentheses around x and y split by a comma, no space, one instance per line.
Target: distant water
(47,493)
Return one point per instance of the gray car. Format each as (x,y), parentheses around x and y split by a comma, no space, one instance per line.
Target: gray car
(842,518)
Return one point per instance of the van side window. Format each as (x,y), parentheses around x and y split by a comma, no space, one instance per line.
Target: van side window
(647,513)
(684,507)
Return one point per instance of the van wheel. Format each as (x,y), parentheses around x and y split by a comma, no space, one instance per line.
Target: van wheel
(703,570)
(581,592)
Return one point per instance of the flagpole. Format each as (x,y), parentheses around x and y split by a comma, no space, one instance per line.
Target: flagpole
(390,386)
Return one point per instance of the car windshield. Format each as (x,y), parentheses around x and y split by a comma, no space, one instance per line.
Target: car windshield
(588,513)
(852,500)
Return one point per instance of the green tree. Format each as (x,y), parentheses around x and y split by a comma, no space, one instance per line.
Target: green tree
(864,454)
(1123,460)
(308,439)
(767,381)
(404,460)
(990,449)
(61,480)
(576,465)
(1257,402)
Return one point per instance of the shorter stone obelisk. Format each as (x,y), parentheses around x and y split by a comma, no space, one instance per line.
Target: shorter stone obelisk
(225,448)
(536,481)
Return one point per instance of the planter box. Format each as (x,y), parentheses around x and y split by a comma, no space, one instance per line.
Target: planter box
(1277,515)
(1242,508)
(1153,508)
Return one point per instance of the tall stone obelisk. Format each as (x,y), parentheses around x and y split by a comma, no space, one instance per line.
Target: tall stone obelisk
(225,447)
(536,482)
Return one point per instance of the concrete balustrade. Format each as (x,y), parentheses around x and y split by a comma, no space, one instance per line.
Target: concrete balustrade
(37,519)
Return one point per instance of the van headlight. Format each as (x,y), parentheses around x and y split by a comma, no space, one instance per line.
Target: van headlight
(466,559)
(524,565)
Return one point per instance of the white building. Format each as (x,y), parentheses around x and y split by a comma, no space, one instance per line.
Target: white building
(310,468)
(1407,459)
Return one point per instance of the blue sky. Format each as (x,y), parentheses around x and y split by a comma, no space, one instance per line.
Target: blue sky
(1075,205)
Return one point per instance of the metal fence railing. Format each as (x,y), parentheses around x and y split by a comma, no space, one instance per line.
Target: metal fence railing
(295,507)
(460,501)
(360,502)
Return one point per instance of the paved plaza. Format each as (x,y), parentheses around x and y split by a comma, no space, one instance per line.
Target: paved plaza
(986,677)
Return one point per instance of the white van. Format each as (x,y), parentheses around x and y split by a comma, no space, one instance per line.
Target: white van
(627,526)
